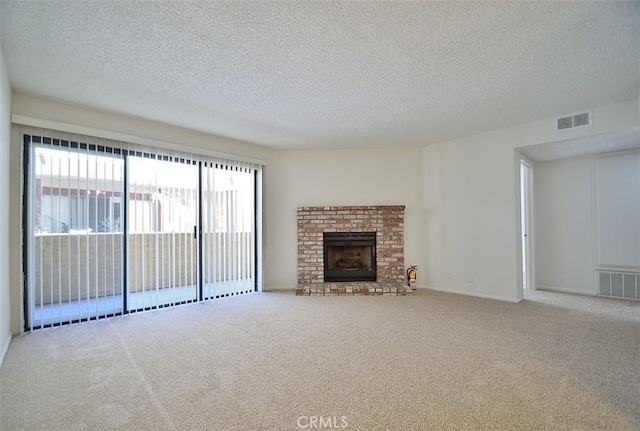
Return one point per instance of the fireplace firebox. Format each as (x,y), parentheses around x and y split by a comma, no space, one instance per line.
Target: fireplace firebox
(349,256)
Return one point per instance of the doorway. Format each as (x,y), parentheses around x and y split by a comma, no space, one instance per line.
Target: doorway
(526,176)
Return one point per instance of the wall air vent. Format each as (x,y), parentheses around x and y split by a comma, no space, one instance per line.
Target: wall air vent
(619,285)
(573,121)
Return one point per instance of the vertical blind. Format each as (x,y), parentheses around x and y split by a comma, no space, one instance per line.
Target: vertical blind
(163,212)
(228,229)
(114,227)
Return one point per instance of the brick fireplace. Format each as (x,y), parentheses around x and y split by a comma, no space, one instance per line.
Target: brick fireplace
(387,221)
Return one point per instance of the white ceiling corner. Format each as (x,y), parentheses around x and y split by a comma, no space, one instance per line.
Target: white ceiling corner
(326,74)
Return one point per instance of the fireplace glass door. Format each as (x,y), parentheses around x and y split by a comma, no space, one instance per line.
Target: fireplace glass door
(349,256)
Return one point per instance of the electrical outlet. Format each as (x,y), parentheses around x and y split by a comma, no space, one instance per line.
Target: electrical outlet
(449,276)
(469,278)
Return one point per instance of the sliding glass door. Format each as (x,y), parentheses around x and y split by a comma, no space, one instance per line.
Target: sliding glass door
(228,230)
(76,238)
(112,230)
(161,232)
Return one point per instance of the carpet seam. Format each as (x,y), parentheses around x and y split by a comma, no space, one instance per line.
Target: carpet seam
(150,392)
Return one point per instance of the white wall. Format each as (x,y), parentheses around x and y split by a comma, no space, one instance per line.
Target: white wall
(564,230)
(79,116)
(338,177)
(617,203)
(5,213)
(475,209)
(476,213)
(433,273)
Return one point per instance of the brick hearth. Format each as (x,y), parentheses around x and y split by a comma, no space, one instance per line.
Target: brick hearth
(386,220)
(353,289)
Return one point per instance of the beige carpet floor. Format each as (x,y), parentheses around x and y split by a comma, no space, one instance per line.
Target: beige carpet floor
(276,361)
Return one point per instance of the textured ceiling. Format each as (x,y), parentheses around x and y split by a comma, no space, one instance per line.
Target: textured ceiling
(314,74)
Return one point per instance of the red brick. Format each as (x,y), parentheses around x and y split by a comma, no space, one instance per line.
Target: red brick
(387,221)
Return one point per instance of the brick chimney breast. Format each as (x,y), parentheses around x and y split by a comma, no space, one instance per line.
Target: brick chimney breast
(386,220)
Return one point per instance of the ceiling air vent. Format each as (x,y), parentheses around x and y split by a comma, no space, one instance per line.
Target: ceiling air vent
(573,121)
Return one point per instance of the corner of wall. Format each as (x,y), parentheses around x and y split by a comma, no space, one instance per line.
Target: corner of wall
(5,213)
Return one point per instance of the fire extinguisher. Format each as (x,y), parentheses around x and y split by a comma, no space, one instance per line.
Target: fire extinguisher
(412,275)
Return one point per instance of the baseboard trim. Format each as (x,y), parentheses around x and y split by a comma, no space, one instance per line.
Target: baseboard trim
(293,288)
(5,349)
(476,294)
(563,290)
(279,288)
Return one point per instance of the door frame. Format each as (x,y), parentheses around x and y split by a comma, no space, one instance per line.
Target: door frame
(28,184)
(526,203)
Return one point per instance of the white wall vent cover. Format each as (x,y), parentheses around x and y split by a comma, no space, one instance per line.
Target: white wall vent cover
(573,121)
(619,285)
